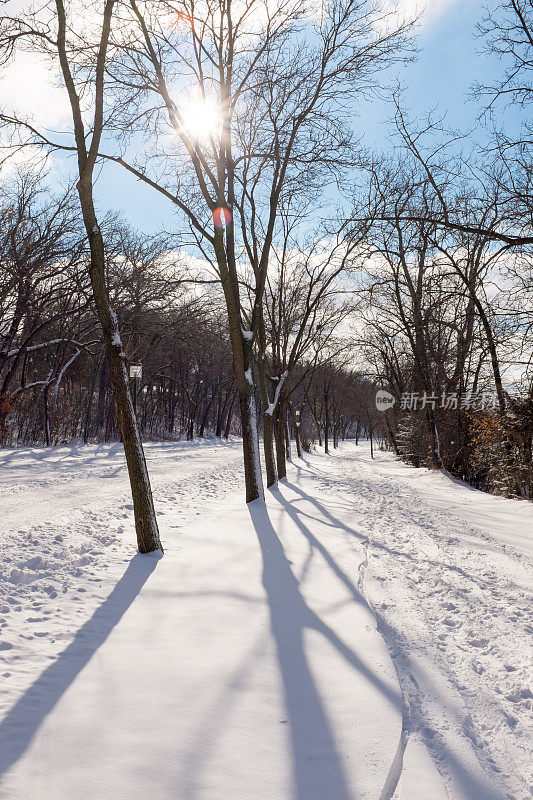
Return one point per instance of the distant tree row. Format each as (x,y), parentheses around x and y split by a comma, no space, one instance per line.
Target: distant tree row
(449,311)
(303,272)
(55,383)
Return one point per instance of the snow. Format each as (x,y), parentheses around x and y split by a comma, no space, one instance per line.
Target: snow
(272,406)
(254,441)
(116,341)
(361,636)
(509,521)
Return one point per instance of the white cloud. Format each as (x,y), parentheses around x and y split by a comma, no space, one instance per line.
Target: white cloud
(24,160)
(29,88)
(427,9)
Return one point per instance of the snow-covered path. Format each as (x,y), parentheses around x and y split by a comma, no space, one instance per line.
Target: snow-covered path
(363,637)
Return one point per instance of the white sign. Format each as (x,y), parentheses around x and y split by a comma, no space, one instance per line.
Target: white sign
(136,370)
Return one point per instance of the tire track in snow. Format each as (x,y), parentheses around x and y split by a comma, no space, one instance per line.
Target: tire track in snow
(450,604)
(396,768)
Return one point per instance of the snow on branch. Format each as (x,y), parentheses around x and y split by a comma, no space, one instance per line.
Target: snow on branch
(63,370)
(272,406)
(51,343)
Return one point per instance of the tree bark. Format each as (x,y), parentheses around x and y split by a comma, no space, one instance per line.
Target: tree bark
(281,452)
(230,416)
(268,421)
(48,438)
(287,433)
(296,426)
(90,396)
(326,423)
(241,348)
(143,508)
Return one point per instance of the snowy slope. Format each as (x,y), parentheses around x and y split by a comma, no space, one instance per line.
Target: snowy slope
(363,636)
(67,531)
(453,601)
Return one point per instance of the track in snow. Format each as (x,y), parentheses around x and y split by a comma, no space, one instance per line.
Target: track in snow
(358,540)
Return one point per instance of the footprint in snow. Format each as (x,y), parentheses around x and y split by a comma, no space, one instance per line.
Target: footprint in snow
(452,623)
(478,642)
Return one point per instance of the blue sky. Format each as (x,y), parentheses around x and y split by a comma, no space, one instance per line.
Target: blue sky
(448,64)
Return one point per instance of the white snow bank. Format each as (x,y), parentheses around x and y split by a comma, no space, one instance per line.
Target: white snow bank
(453,601)
(67,531)
(241,665)
(254,659)
(509,521)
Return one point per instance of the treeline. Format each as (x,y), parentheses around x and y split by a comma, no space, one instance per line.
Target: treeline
(446,336)
(289,295)
(449,312)
(54,378)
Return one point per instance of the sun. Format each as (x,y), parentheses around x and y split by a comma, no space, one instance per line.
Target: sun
(201,117)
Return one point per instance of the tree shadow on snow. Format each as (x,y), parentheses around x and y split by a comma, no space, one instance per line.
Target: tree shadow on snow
(317,767)
(474,787)
(21,723)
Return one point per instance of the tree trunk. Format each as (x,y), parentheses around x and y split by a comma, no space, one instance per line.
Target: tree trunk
(279,430)
(220,413)
(287,433)
(296,426)
(268,446)
(143,507)
(241,348)
(204,418)
(326,426)
(434,461)
(268,421)
(101,410)
(230,416)
(250,445)
(47,436)
(89,403)
(391,436)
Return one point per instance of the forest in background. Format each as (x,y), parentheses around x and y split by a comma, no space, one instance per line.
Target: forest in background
(248,319)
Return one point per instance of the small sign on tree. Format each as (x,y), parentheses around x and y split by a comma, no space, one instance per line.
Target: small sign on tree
(136,370)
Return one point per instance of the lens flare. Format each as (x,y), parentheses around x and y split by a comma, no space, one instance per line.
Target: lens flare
(201,117)
(182,21)
(222,217)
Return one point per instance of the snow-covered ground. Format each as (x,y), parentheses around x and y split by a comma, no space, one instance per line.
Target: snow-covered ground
(365,636)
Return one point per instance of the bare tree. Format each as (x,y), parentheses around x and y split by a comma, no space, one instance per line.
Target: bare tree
(307,300)
(43,291)
(280,130)
(83,72)
(507,33)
